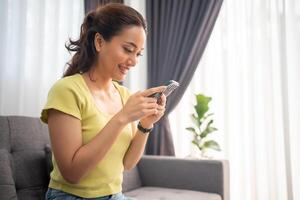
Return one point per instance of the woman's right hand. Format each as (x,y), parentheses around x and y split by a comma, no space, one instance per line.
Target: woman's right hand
(139,105)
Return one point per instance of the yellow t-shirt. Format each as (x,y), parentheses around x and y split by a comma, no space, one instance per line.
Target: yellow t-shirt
(72,96)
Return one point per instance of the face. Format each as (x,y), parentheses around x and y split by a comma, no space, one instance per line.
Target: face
(117,56)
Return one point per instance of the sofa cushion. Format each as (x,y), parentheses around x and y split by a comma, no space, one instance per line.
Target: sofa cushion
(27,133)
(24,165)
(7,182)
(4,134)
(131,180)
(157,193)
(29,172)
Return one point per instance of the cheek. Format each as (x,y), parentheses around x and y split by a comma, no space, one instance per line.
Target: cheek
(120,55)
(111,57)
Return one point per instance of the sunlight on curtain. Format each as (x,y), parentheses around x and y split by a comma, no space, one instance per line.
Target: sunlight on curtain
(251,69)
(32,52)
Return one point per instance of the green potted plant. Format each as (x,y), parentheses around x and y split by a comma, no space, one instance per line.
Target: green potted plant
(203,126)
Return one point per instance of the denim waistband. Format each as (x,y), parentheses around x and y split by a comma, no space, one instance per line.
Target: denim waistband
(58,194)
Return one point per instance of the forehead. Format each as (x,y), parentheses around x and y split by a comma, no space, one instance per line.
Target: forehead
(132,34)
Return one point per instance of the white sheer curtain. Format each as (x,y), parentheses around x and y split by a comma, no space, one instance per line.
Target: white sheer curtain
(251,69)
(137,77)
(32,52)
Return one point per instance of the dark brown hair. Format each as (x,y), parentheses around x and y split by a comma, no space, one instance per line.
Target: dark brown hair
(108,20)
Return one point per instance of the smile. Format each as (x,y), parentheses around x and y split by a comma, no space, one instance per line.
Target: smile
(123,69)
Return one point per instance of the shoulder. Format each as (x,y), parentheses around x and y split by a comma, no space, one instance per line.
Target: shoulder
(65,96)
(67,84)
(67,89)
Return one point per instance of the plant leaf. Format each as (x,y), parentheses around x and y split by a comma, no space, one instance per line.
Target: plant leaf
(211,144)
(210,114)
(201,106)
(192,130)
(196,120)
(208,129)
(195,143)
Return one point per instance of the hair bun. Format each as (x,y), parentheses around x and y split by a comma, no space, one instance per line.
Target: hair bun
(90,19)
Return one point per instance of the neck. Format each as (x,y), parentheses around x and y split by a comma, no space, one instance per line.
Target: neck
(98,81)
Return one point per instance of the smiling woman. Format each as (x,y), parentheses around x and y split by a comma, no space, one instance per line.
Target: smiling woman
(99,31)
(91,118)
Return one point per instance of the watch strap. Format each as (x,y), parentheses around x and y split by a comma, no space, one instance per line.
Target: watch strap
(142,129)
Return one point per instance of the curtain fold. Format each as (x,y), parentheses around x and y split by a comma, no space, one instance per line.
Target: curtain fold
(178,33)
(32,52)
(251,70)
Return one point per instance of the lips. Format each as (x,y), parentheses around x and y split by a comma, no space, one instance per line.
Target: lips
(123,69)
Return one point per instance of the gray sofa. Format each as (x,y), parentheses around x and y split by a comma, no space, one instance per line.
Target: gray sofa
(25,165)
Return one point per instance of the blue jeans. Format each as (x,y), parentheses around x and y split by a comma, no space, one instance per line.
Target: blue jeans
(53,194)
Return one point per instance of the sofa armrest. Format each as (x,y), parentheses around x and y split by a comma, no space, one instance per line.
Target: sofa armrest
(191,174)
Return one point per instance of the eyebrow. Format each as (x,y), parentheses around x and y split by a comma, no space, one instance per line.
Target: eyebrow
(131,43)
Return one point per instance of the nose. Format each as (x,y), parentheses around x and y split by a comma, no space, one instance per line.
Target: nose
(132,61)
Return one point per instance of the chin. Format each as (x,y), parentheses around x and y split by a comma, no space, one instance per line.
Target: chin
(119,79)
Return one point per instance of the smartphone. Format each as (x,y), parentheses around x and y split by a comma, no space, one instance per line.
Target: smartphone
(171,86)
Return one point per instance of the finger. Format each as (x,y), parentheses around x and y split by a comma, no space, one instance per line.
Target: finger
(162,101)
(151,105)
(150,100)
(159,107)
(149,112)
(153,90)
(160,113)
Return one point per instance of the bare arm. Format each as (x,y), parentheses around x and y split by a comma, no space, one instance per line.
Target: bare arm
(138,143)
(73,158)
(135,150)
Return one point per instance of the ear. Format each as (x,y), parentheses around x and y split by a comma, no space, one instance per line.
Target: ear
(98,42)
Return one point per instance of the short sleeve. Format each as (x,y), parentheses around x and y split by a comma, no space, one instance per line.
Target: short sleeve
(63,97)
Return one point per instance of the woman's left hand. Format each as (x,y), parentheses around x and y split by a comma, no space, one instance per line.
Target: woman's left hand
(148,121)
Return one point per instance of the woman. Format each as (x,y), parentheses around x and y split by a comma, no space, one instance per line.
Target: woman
(91,118)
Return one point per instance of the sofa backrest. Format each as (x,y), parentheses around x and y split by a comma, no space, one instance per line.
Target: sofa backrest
(25,159)
(132,180)
(24,146)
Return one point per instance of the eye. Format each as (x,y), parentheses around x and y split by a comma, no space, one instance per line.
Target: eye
(127,50)
(131,51)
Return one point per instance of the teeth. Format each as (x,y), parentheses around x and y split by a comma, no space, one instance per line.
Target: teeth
(123,69)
